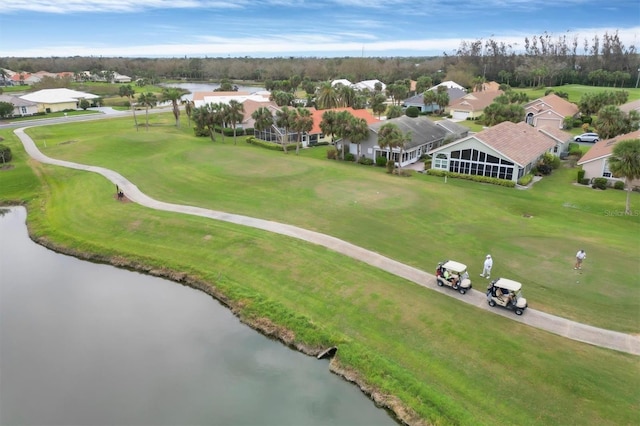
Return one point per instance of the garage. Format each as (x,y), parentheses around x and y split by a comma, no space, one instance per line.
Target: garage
(460,115)
(549,122)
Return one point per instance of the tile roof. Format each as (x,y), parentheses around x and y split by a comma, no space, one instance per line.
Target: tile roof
(552,102)
(52,96)
(518,141)
(421,129)
(630,106)
(16,101)
(358,113)
(475,101)
(604,148)
(555,133)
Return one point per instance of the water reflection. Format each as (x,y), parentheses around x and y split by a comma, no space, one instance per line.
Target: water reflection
(89,344)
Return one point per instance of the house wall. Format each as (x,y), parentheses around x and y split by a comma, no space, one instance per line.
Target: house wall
(21,111)
(57,106)
(593,169)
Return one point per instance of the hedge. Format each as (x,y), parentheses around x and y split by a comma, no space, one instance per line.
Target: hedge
(525,180)
(269,145)
(474,178)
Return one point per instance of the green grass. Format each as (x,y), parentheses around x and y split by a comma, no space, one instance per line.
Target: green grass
(418,220)
(450,362)
(575,91)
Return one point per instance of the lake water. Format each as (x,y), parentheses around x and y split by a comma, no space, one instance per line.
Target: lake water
(90,344)
(209,87)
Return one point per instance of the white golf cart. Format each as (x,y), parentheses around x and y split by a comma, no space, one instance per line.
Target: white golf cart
(508,294)
(453,274)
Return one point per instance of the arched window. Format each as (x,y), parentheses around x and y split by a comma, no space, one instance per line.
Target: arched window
(441,161)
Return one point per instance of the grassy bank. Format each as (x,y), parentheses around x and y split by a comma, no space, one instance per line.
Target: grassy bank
(450,362)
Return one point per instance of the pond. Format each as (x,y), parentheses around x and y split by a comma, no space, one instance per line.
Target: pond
(89,344)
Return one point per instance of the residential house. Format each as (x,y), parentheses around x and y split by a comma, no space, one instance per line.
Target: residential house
(424,135)
(595,161)
(560,137)
(471,105)
(341,81)
(205,98)
(456,131)
(418,100)
(549,111)
(449,85)
(53,100)
(488,86)
(120,78)
(505,151)
(369,85)
(21,107)
(317,136)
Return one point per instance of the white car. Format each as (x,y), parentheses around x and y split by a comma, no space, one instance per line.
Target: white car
(587,137)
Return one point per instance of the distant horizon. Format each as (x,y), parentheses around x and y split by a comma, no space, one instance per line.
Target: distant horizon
(321,29)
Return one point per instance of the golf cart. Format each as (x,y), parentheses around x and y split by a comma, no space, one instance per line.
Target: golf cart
(453,274)
(508,294)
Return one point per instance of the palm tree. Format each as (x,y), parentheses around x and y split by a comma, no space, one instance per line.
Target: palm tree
(303,123)
(326,96)
(173,94)
(285,119)
(625,162)
(234,113)
(216,118)
(389,137)
(357,132)
(129,93)
(263,119)
(328,125)
(148,100)
(378,104)
(188,109)
(343,121)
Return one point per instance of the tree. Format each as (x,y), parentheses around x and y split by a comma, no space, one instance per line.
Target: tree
(285,119)
(394,111)
(234,113)
(328,125)
(356,132)
(188,109)
(378,105)
(625,163)
(263,119)
(390,136)
(173,94)
(442,98)
(303,123)
(423,83)
(128,92)
(6,109)
(612,122)
(326,96)
(343,119)
(147,100)
(84,104)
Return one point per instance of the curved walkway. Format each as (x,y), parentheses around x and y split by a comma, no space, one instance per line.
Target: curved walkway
(551,323)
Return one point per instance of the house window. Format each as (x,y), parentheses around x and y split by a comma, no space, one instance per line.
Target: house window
(441,162)
(605,171)
(23,110)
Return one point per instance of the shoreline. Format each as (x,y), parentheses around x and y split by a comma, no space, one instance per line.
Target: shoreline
(397,410)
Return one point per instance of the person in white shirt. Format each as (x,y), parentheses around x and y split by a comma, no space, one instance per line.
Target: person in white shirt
(580,255)
(488,264)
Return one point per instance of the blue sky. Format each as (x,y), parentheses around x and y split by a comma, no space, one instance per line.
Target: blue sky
(319,28)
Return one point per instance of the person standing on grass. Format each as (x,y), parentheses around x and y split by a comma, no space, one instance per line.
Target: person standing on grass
(488,264)
(580,255)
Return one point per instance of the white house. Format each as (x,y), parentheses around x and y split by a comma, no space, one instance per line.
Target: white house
(53,100)
(505,151)
(21,107)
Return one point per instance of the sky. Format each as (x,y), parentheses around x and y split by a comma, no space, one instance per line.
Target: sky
(299,28)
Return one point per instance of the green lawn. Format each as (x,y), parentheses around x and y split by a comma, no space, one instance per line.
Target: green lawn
(575,91)
(448,361)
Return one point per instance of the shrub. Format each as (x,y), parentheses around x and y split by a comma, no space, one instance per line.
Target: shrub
(349,157)
(618,185)
(525,180)
(544,169)
(365,161)
(264,144)
(585,127)
(581,173)
(587,119)
(332,154)
(412,112)
(577,153)
(599,183)
(5,154)
(381,162)
(585,181)
(572,146)
(474,178)
(577,122)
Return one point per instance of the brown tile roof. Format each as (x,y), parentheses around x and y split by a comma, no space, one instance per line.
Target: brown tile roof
(518,141)
(489,86)
(250,106)
(476,101)
(358,113)
(604,148)
(555,133)
(552,102)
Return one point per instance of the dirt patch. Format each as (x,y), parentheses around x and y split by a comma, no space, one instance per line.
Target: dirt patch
(67,142)
(7,167)
(121,198)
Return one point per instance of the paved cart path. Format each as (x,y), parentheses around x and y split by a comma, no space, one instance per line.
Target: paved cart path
(554,324)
